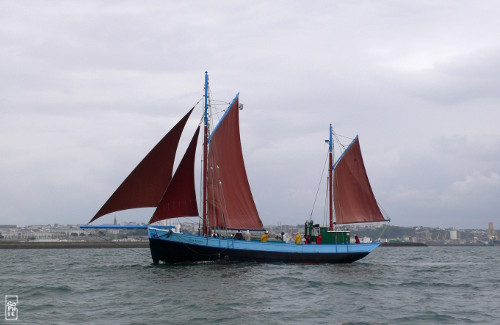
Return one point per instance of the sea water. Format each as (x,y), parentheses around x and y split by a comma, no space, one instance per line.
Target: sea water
(392,285)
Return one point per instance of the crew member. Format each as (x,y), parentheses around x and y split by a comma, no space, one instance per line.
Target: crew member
(264,237)
(297,238)
(238,235)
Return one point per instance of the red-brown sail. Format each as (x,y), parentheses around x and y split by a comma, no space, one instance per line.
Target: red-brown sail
(179,199)
(353,196)
(230,200)
(146,184)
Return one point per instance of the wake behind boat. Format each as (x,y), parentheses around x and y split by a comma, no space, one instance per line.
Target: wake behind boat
(227,202)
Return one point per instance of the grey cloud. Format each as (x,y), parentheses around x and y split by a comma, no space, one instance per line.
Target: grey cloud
(88,88)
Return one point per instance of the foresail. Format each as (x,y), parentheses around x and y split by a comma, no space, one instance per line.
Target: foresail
(354,201)
(146,184)
(179,199)
(230,200)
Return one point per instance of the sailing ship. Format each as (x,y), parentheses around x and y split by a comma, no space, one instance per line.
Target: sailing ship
(228,204)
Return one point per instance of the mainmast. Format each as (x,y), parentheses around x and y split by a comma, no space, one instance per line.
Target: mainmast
(205,157)
(330,179)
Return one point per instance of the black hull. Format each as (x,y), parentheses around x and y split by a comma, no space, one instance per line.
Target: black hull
(175,252)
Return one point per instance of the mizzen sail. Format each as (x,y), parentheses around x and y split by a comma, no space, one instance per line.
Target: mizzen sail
(179,199)
(353,196)
(230,200)
(146,184)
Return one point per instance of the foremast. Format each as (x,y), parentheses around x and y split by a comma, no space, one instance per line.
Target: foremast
(205,157)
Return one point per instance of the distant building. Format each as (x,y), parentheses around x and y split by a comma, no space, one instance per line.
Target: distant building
(492,234)
(453,235)
(423,236)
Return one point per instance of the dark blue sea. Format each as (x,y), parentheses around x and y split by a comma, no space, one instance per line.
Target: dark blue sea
(393,285)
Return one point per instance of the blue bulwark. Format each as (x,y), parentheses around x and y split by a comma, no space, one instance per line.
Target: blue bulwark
(342,155)
(223,116)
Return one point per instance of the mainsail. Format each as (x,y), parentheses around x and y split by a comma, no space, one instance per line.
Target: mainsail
(353,196)
(146,184)
(179,199)
(230,200)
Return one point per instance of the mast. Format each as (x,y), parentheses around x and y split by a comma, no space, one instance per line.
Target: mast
(205,157)
(330,180)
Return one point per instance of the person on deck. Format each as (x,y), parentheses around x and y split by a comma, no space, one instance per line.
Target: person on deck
(297,238)
(307,239)
(264,237)
(357,239)
(318,239)
(238,235)
(248,237)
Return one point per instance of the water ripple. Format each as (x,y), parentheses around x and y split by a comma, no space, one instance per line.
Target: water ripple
(449,285)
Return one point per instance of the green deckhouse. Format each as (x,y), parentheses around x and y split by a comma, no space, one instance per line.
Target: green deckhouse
(327,236)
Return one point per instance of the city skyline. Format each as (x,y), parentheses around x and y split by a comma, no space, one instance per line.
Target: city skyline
(490,226)
(10,234)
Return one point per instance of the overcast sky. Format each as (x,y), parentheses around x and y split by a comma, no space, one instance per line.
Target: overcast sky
(87,88)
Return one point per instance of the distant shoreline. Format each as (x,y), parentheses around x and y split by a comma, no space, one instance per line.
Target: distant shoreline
(402,244)
(69,244)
